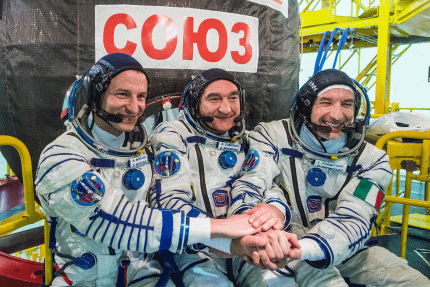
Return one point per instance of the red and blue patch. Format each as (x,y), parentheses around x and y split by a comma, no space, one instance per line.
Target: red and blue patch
(167,163)
(251,160)
(220,197)
(314,203)
(87,190)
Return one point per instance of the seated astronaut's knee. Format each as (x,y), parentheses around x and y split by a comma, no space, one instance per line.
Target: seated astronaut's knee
(384,257)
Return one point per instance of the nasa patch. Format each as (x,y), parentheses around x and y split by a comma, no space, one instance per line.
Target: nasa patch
(220,197)
(314,203)
(167,163)
(87,190)
(251,160)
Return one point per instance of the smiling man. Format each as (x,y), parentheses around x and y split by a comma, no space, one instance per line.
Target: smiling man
(221,101)
(197,158)
(335,182)
(333,107)
(93,182)
(126,98)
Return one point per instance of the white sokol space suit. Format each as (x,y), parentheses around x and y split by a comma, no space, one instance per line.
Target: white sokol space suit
(93,190)
(97,214)
(200,187)
(334,202)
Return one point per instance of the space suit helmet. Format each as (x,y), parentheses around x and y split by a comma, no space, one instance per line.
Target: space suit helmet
(105,70)
(83,101)
(317,84)
(95,82)
(194,90)
(301,108)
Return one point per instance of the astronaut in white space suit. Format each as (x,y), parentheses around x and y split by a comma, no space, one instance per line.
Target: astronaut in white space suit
(334,181)
(196,159)
(93,180)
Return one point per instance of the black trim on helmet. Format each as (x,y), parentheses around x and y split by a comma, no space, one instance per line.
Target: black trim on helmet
(102,73)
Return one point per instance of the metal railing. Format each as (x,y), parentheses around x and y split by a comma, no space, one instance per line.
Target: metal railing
(410,162)
(32,212)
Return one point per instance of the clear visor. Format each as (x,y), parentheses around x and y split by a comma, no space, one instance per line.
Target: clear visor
(363,113)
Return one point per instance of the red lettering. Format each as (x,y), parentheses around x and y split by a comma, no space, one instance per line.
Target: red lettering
(244,42)
(171,35)
(190,37)
(108,34)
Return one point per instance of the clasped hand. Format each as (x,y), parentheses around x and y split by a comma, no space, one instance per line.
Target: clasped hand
(272,248)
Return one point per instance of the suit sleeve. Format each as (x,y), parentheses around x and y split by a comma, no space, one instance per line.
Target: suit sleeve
(70,189)
(256,183)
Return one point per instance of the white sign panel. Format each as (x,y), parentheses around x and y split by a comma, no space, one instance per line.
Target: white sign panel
(178,38)
(278,5)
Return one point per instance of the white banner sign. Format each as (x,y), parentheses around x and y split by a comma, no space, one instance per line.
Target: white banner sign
(178,38)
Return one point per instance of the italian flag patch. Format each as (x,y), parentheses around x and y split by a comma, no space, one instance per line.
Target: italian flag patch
(370,193)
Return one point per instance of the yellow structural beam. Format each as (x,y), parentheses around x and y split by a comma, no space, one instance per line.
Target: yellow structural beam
(373,28)
(411,11)
(370,67)
(48,254)
(313,27)
(347,60)
(307,8)
(383,66)
(359,5)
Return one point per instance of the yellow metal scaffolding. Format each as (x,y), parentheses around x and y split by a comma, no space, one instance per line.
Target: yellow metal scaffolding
(385,27)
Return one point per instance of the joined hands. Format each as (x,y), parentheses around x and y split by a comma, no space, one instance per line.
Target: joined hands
(272,248)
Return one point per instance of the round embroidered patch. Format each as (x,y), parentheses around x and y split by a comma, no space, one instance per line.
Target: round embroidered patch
(167,163)
(251,160)
(87,190)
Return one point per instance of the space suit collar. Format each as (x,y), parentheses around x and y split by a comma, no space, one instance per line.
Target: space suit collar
(80,126)
(105,138)
(331,146)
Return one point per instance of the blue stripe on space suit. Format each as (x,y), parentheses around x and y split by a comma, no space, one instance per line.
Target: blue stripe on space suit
(120,220)
(199,188)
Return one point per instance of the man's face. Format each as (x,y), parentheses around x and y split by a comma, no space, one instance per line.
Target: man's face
(334,108)
(126,96)
(220,100)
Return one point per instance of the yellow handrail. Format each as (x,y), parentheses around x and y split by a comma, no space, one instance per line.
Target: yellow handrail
(48,254)
(31,214)
(402,134)
(384,218)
